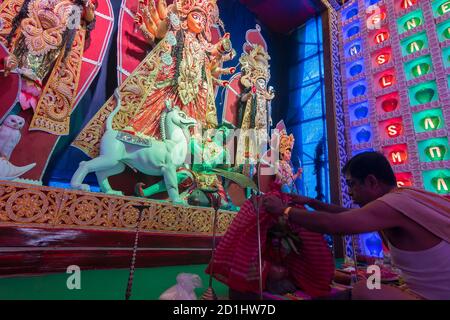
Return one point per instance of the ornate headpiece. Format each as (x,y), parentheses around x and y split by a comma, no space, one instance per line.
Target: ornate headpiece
(255,59)
(207,7)
(286,142)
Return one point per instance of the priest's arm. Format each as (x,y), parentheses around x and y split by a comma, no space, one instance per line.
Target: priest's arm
(375,216)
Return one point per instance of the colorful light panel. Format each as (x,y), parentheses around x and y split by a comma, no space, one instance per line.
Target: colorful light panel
(404,66)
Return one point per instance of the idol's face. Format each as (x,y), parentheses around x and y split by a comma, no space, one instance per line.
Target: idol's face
(286,156)
(261,84)
(196,22)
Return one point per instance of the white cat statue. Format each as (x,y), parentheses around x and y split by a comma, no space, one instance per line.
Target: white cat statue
(184,289)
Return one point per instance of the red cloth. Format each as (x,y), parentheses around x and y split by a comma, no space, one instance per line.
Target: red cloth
(236,257)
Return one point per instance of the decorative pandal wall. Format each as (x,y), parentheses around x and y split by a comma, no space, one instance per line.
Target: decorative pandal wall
(24,205)
(44,229)
(395,66)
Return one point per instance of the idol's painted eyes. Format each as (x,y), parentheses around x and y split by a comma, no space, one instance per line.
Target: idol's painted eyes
(198,17)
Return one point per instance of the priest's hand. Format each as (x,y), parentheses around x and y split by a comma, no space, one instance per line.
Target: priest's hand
(274,205)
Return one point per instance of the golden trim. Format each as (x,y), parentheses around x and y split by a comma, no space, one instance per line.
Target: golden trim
(55,105)
(37,206)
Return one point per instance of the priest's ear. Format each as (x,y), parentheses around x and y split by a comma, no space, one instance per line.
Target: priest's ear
(372,181)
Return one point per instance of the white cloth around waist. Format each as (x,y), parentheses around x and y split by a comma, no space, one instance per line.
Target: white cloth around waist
(426,272)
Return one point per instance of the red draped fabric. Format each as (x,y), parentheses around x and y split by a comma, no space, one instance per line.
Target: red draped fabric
(148,121)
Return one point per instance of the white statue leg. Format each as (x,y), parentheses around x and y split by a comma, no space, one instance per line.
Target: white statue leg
(98,164)
(171,181)
(102,178)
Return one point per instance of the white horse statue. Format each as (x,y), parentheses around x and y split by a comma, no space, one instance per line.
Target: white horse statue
(153,158)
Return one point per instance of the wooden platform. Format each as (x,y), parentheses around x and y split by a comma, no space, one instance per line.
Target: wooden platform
(45,229)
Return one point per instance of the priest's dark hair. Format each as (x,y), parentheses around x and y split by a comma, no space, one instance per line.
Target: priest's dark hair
(370,163)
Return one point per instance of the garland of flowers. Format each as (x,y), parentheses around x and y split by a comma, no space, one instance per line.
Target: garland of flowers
(177,52)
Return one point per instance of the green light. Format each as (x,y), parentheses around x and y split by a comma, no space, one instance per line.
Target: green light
(446,33)
(444,8)
(428,120)
(424,95)
(446,57)
(430,123)
(420,69)
(412,23)
(441,183)
(433,150)
(436,152)
(443,30)
(415,42)
(414,46)
(437,180)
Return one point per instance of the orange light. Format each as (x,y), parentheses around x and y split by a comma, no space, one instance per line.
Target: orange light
(387,81)
(381,37)
(394,130)
(377,18)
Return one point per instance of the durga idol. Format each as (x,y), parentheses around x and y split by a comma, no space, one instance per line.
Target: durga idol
(184,67)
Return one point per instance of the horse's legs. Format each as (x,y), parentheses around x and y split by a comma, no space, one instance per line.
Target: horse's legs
(98,164)
(161,186)
(170,179)
(102,178)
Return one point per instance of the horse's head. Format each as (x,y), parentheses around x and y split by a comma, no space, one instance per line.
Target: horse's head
(177,117)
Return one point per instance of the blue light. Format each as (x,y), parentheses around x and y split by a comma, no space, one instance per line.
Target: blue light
(354,50)
(351,13)
(363,135)
(355,69)
(372,2)
(361,112)
(65,185)
(359,90)
(352,31)
(356,152)
(374,245)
